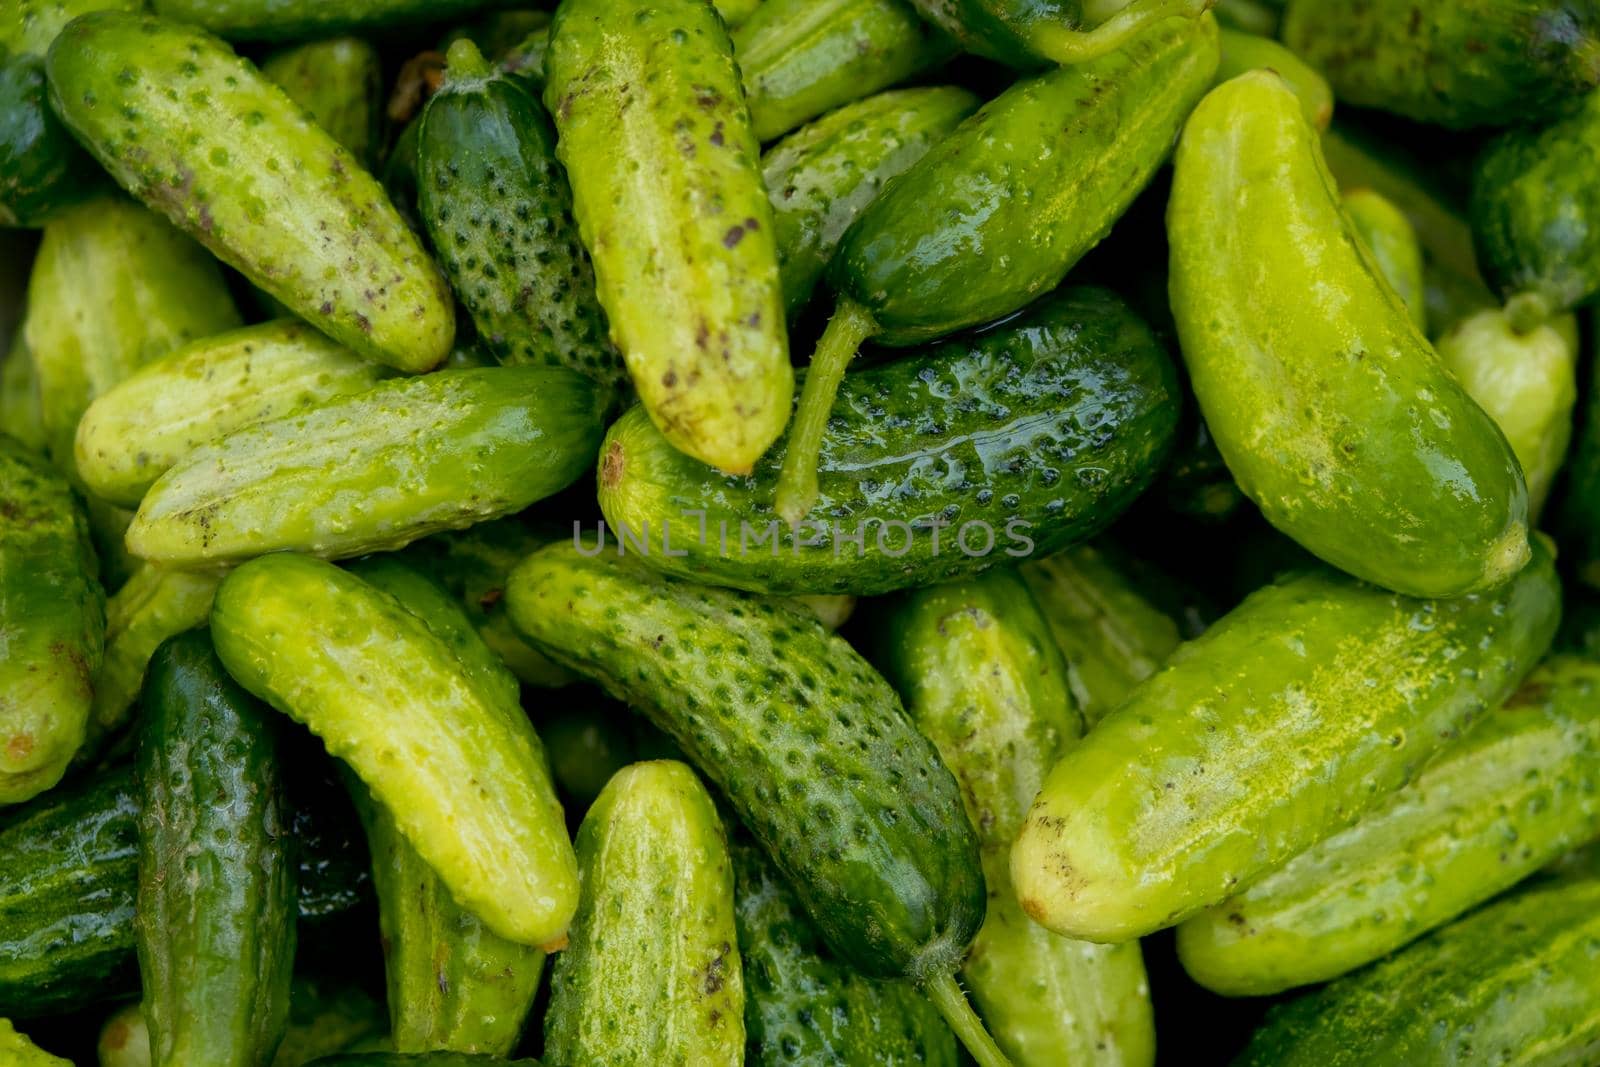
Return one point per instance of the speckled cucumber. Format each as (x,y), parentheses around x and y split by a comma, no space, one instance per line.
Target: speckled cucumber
(1281,725)
(982,678)
(1455,63)
(822,176)
(216,927)
(1388,237)
(499,209)
(254,179)
(652,973)
(440,745)
(1247,51)
(17,1051)
(375,470)
(1033,33)
(253,20)
(1515,982)
(141,427)
(1017,441)
(1326,401)
(1521,789)
(338,82)
(52,615)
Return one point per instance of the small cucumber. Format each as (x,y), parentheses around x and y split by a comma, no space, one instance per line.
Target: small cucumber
(124,1039)
(277,20)
(53,622)
(150,421)
(499,209)
(802,1006)
(439,745)
(1329,406)
(339,82)
(17,1051)
(1035,33)
(42,169)
(327,1017)
(1521,789)
(375,470)
(803,58)
(1247,51)
(591,739)
(1112,638)
(20,413)
(1454,63)
(822,176)
(1022,439)
(684,252)
(1388,237)
(239,166)
(216,927)
(1290,717)
(1515,982)
(982,678)
(652,973)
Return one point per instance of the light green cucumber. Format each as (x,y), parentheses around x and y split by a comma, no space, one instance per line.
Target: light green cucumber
(17,1051)
(124,1039)
(1242,51)
(338,82)
(1388,236)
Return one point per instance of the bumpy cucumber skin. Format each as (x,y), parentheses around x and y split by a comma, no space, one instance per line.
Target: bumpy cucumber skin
(667,191)
(1388,237)
(499,209)
(20,413)
(30,25)
(1513,983)
(137,430)
(113,288)
(803,58)
(52,615)
(455,762)
(821,177)
(375,470)
(652,974)
(1044,429)
(1521,789)
(982,678)
(277,20)
(854,806)
(17,1051)
(339,82)
(804,1007)
(216,929)
(1454,63)
(124,1039)
(1290,717)
(980,227)
(1247,51)
(234,162)
(1333,413)
(41,167)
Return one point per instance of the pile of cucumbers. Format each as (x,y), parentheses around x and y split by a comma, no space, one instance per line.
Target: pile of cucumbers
(446,619)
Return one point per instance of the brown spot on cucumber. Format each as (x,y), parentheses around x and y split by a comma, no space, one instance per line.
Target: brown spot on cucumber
(20,747)
(611,466)
(734,235)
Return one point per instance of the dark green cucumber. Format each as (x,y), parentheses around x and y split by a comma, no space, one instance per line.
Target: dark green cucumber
(802,1006)
(1388,235)
(1250,16)
(1455,63)
(1196,482)
(337,81)
(499,209)
(276,20)
(1578,524)
(53,622)
(803,58)
(1036,33)
(1020,440)
(1279,726)
(216,926)
(42,168)
(592,739)
(1516,982)
(821,177)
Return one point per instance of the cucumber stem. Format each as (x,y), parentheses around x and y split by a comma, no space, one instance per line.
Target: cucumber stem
(1527,312)
(464,61)
(1065,46)
(952,1004)
(797,481)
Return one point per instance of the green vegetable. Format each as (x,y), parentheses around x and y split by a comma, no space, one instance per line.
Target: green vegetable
(42,169)
(1017,441)
(1290,717)
(1250,16)
(591,739)
(19,395)
(18,1051)
(652,973)
(238,165)
(277,20)
(426,1059)
(1243,52)
(338,81)
(684,252)
(1034,33)
(1579,521)
(125,1039)
(375,470)
(325,1018)
(499,33)
(1327,403)
(1386,234)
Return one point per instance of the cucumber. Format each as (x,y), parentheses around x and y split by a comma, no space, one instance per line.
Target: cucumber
(1387,235)
(905,270)
(498,33)
(685,259)
(1259,17)
(375,470)
(440,746)
(113,288)
(652,974)
(1243,51)
(426,1059)
(42,169)
(982,678)
(1023,439)
(591,739)
(277,20)
(247,173)
(1281,725)
(1329,406)
(525,60)
(17,1051)
(216,927)
(803,58)
(822,176)
(854,806)
(499,209)
(124,1039)
(30,25)
(151,420)
(338,81)
(1111,637)
(1512,983)
(1579,519)
(20,413)
(1453,63)
(1518,791)
(53,622)
(327,1017)
(1035,33)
